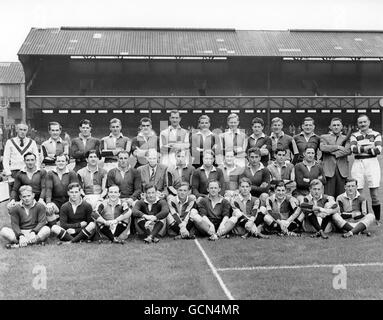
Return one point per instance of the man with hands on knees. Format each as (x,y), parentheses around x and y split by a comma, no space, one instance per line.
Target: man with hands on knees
(76,223)
(28,221)
(214,211)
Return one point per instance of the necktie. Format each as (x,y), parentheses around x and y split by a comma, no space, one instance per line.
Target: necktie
(235,142)
(21,142)
(152,172)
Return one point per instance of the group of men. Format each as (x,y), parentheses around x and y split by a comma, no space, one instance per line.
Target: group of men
(182,183)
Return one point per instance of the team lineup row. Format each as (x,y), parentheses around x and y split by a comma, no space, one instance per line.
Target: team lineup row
(254,189)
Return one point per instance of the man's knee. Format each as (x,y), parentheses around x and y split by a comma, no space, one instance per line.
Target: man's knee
(91,226)
(8,234)
(368,220)
(338,220)
(44,233)
(56,229)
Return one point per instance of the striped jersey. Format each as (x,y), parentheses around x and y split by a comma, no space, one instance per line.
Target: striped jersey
(359,141)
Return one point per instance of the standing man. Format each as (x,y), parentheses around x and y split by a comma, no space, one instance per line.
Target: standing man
(202,139)
(305,138)
(15,149)
(335,165)
(53,146)
(145,140)
(173,138)
(366,145)
(28,221)
(280,140)
(112,144)
(259,140)
(83,143)
(233,139)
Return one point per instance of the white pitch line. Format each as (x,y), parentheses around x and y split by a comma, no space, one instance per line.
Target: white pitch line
(214,270)
(372,264)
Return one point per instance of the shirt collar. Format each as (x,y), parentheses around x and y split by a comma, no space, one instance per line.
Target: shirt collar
(356,195)
(212,168)
(273,135)
(87,168)
(151,134)
(261,136)
(33,204)
(178,127)
(367,132)
(157,199)
(220,198)
(26,171)
(183,167)
(180,202)
(310,197)
(55,170)
(118,137)
(306,164)
(209,133)
(261,166)
(276,165)
(117,203)
(74,204)
(242,198)
(119,169)
(312,134)
(236,131)
(82,137)
(50,140)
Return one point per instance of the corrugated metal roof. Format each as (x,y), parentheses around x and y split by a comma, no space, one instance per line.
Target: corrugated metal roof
(202,42)
(11,73)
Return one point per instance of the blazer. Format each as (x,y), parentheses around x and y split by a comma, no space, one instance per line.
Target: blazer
(159,177)
(332,157)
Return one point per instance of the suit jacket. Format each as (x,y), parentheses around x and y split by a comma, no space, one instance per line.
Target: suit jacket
(332,157)
(159,177)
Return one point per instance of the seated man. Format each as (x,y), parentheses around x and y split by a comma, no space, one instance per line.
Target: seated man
(306,171)
(181,173)
(247,211)
(76,223)
(154,173)
(93,179)
(30,176)
(57,182)
(317,208)
(112,217)
(150,214)
(281,169)
(353,217)
(28,221)
(213,218)
(181,206)
(126,178)
(204,174)
(282,212)
(258,175)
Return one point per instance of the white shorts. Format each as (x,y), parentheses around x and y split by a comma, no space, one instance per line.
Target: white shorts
(366,169)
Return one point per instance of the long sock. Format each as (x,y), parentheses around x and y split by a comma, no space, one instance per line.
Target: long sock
(157,228)
(376,209)
(229,225)
(65,236)
(174,227)
(347,227)
(293,226)
(325,222)
(141,224)
(106,231)
(314,221)
(82,235)
(358,228)
(120,228)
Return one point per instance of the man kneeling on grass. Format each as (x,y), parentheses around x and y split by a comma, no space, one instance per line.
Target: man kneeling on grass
(353,217)
(318,209)
(181,207)
(214,211)
(282,212)
(113,216)
(75,218)
(247,212)
(150,214)
(28,221)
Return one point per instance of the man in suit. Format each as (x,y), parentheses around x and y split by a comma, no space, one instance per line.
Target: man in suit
(335,164)
(154,173)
